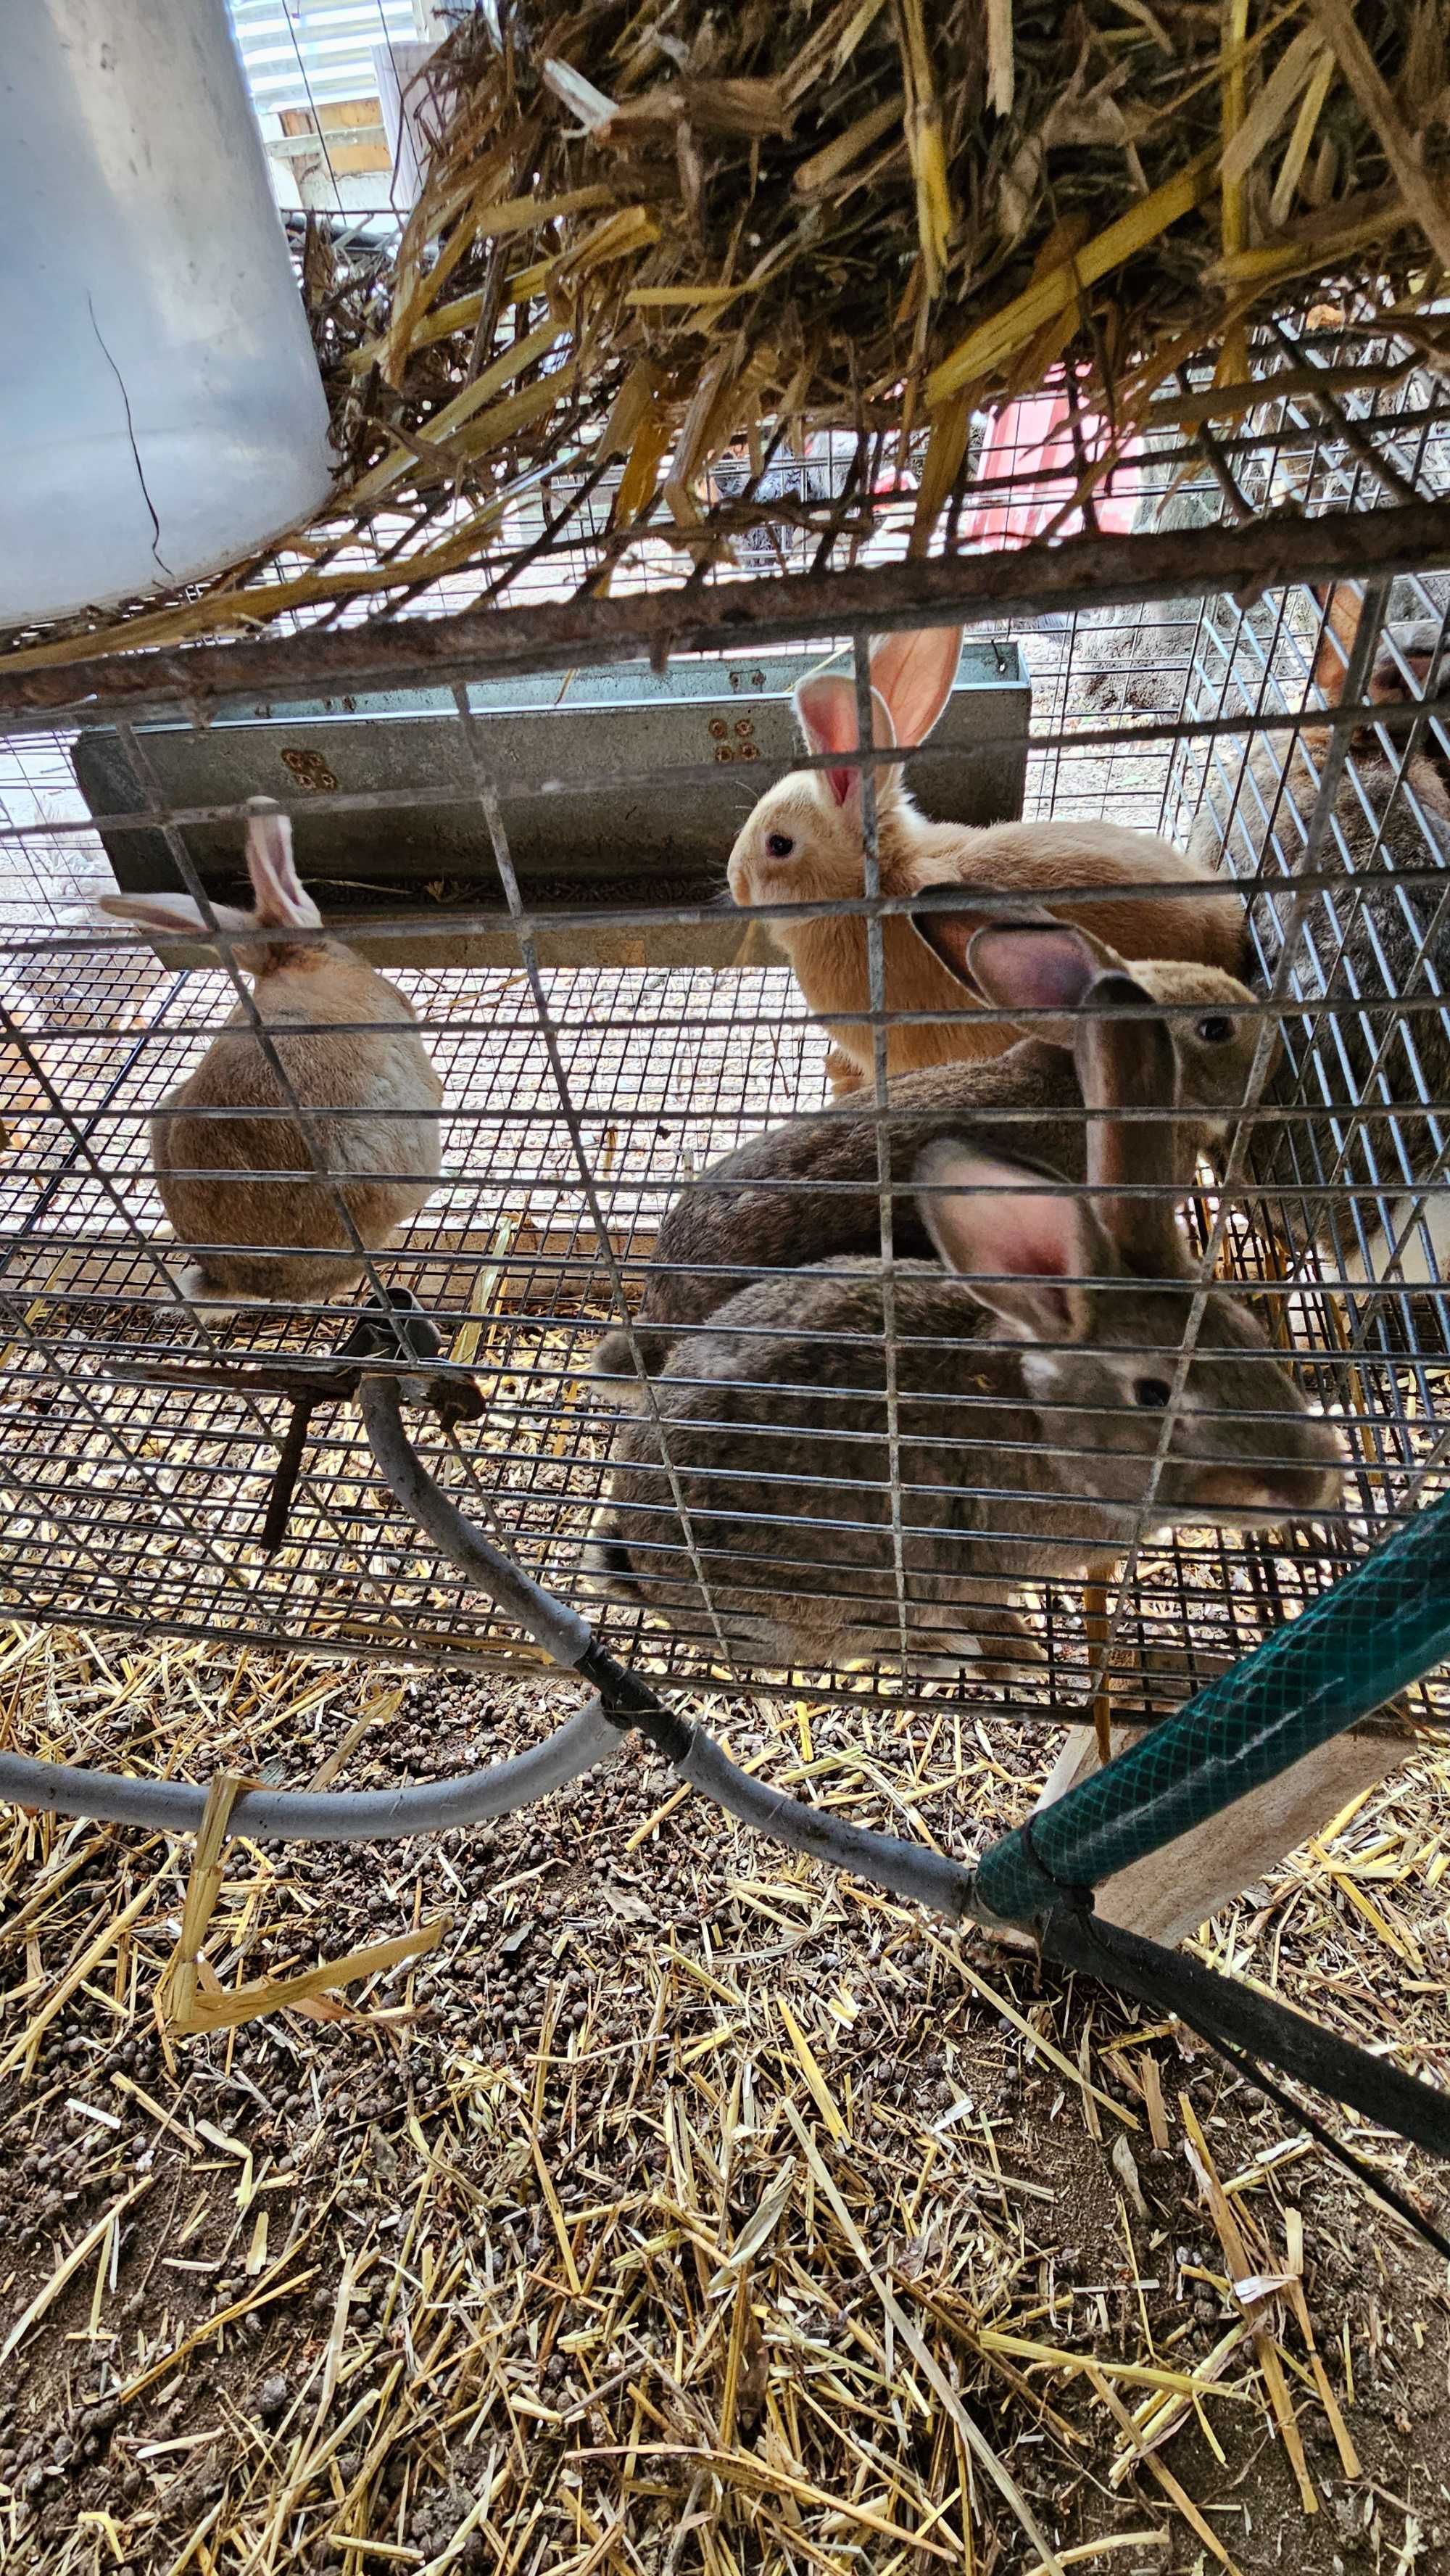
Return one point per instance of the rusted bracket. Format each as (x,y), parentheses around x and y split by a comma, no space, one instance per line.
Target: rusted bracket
(371,1349)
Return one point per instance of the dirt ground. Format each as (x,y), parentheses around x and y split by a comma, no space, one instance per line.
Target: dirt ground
(684,2209)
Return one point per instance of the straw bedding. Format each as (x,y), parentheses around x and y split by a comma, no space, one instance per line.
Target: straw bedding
(685,2210)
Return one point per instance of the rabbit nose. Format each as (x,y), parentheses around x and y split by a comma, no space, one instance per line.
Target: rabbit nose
(1309,1489)
(1303,1487)
(1310,1485)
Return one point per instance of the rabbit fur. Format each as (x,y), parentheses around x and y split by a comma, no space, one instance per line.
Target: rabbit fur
(779,1202)
(283,1239)
(803,845)
(1031,1374)
(1361,952)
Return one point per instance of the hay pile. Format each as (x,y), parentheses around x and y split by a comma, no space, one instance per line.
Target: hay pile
(649,232)
(876,213)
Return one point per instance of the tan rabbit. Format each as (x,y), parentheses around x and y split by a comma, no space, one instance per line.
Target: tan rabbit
(372,1081)
(803,845)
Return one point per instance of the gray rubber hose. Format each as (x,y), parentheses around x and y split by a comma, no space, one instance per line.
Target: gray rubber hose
(325,1816)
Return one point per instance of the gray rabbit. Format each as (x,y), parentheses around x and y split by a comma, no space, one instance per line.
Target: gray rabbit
(1031,1378)
(807,1189)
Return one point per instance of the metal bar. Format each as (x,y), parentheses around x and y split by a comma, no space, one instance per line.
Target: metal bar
(1076,738)
(880,1056)
(1361,658)
(1085,572)
(528,952)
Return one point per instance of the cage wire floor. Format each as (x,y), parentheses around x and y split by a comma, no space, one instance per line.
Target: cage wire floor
(141,1507)
(677,2339)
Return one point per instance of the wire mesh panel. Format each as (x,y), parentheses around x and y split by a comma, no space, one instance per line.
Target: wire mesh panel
(1132,1334)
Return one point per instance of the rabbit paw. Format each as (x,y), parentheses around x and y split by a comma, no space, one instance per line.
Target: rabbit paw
(948,1668)
(1000,1644)
(191,1286)
(1001,1636)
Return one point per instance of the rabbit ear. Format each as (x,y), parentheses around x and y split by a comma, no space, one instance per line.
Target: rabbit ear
(281,902)
(1126,1066)
(826,709)
(914,674)
(1343,608)
(1039,967)
(170,913)
(1029,1253)
(951,931)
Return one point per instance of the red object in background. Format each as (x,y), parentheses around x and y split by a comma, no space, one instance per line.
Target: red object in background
(1035,437)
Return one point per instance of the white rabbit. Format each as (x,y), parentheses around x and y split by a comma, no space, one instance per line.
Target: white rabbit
(349,1047)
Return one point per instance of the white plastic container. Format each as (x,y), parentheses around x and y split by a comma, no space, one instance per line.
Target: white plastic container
(161,411)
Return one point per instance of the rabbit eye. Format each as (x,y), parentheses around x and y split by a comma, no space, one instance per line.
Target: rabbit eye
(1216,1030)
(1153,1392)
(779,844)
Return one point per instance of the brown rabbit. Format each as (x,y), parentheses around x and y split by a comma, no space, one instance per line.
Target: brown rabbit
(283,1238)
(803,845)
(782,1200)
(1031,1378)
(1342,1162)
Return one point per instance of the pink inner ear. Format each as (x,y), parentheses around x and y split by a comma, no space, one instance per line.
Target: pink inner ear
(826,709)
(1032,970)
(281,900)
(1031,1239)
(999,1229)
(915,675)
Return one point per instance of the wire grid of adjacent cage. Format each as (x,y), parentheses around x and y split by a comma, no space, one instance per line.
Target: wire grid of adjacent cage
(581,1098)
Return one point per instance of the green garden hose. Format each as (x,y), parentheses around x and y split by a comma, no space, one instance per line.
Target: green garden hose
(1385,1626)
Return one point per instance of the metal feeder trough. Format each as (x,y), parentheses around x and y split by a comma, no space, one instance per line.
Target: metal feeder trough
(582,837)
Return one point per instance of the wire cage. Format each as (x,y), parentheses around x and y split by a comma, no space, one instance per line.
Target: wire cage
(1236,642)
